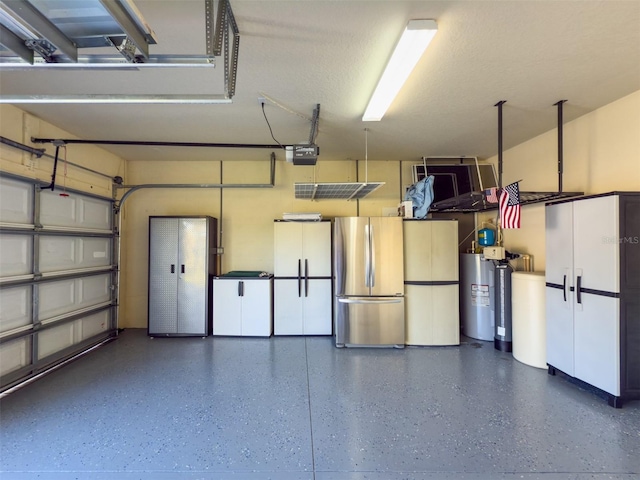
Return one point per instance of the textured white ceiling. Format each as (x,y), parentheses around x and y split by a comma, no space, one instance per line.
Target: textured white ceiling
(302,53)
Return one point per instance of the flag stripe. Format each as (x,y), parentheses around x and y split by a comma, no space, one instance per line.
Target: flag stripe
(510,206)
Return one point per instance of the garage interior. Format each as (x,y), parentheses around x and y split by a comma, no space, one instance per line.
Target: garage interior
(113,113)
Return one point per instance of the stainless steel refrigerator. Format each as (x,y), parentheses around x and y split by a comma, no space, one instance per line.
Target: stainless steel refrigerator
(369,283)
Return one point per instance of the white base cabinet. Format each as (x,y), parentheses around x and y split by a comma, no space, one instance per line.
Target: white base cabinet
(243,306)
(300,314)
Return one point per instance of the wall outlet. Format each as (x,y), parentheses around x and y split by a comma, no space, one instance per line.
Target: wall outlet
(261,100)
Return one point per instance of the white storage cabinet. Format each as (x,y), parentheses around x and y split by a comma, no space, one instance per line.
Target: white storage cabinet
(593,292)
(243,306)
(303,283)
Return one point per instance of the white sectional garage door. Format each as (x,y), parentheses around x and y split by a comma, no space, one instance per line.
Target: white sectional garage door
(57,277)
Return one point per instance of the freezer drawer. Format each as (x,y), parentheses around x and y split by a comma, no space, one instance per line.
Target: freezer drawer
(368,321)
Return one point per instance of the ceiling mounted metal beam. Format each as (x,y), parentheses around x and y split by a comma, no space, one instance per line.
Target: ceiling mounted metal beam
(129,26)
(12,42)
(28,14)
(105,62)
(72,28)
(117,99)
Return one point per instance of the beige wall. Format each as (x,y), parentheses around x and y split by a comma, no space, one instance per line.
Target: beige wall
(20,126)
(246,216)
(601,154)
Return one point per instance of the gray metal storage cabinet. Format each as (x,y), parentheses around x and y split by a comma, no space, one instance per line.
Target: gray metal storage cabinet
(182,263)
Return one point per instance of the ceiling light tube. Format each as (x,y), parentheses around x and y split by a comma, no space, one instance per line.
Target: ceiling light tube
(414,41)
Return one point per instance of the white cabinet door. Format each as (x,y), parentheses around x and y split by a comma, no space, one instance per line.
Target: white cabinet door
(227,307)
(256,308)
(287,308)
(597,342)
(288,249)
(303,315)
(559,243)
(317,308)
(559,313)
(597,246)
(316,249)
(302,248)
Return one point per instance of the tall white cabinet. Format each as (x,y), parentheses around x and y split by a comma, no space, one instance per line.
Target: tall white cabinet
(593,292)
(431,282)
(303,283)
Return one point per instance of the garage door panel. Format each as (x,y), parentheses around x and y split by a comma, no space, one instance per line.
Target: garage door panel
(56,298)
(95,214)
(15,307)
(94,290)
(15,255)
(74,211)
(56,210)
(14,355)
(16,199)
(54,339)
(69,253)
(92,325)
(66,296)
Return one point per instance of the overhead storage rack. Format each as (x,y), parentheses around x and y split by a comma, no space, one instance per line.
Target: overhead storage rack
(475,201)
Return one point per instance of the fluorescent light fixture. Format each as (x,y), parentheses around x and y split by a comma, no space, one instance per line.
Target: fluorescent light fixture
(117,99)
(414,41)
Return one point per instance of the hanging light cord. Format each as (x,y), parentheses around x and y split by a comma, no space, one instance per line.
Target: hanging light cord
(366,155)
(269,125)
(64,177)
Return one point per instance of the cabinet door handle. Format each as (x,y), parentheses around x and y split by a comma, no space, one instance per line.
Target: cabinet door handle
(182,268)
(579,289)
(306,277)
(299,278)
(241,289)
(173,268)
(564,287)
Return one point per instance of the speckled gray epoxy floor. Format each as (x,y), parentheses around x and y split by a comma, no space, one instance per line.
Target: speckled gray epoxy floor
(299,408)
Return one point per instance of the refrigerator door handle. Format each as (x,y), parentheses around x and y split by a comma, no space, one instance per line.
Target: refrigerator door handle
(306,277)
(367,256)
(369,300)
(373,258)
(299,278)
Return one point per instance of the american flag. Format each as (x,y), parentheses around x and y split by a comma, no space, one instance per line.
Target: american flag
(491,194)
(510,206)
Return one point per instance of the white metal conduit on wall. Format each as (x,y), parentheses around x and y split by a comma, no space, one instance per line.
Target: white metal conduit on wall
(57,276)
